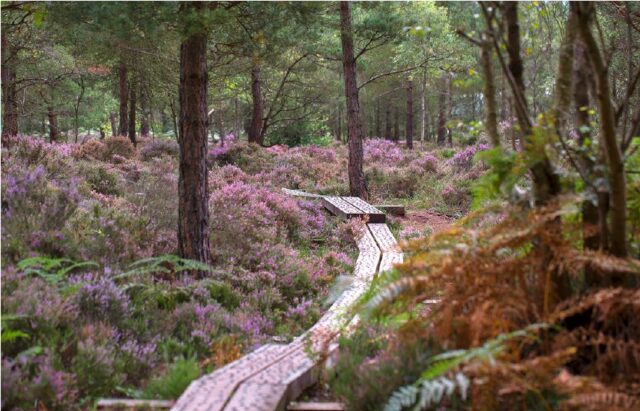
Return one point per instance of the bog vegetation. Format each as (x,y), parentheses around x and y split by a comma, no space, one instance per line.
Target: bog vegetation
(146,238)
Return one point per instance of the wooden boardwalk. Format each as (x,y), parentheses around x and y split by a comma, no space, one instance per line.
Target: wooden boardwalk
(270,377)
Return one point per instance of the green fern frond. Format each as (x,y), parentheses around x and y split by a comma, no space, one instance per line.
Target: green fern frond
(168,263)
(52,270)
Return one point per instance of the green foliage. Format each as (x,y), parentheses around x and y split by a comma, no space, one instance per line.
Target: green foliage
(433,384)
(176,379)
(102,180)
(506,170)
(164,264)
(52,270)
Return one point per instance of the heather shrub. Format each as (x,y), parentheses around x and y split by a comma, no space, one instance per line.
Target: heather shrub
(35,208)
(90,150)
(33,378)
(251,158)
(384,152)
(96,365)
(100,299)
(120,146)
(456,197)
(392,183)
(426,163)
(101,179)
(463,160)
(158,148)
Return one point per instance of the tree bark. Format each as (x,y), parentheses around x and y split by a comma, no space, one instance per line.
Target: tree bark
(442,110)
(255,131)
(114,127)
(545,183)
(423,106)
(145,114)
(378,120)
(221,129)
(489,91)
(9,98)
(132,114)
(53,124)
(123,128)
(236,119)
(617,183)
(387,116)
(396,124)
(409,125)
(357,184)
(193,214)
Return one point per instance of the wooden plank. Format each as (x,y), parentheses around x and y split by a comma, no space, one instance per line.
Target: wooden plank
(383,237)
(341,208)
(258,397)
(316,406)
(211,392)
(393,209)
(375,215)
(129,404)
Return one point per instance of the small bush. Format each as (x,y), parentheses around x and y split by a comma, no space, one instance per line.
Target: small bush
(101,179)
(90,150)
(120,145)
(158,148)
(175,381)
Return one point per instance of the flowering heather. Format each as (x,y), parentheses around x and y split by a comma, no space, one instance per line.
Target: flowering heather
(464,159)
(381,151)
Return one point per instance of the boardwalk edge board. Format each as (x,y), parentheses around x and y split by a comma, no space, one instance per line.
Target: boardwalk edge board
(275,374)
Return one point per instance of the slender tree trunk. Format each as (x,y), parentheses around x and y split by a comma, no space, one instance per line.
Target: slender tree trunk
(387,118)
(76,109)
(489,91)
(442,110)
(339,122)
(123,128)
(357,184)
(114,124)
(409,126)
(221,129)
(9,98)
(617,183)
(423,106)
(545,183)
(255,131)
(449,110)
(132,114)
(145,115)
(53,124)
(236,119)
(396,124)
(378,120)
(193,214)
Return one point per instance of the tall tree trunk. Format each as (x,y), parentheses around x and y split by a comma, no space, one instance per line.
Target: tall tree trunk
(114,126)
(123,128)
(357,184)
(236,119)
(378,120)
(409,126)
(132,114)
(255,131)
(387,116)
(617,183)
(442,110)
(145,115)
(53,124)
(449,110)
(590,217)
(9,98)
(423,106)
(545,182)
(489,91)
(396,124)
(339,122)
(193,214)
(221,130)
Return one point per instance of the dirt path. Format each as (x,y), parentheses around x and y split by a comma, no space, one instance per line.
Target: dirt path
(419,220)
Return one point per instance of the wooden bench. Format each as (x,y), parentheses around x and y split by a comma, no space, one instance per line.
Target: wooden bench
(272,376)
